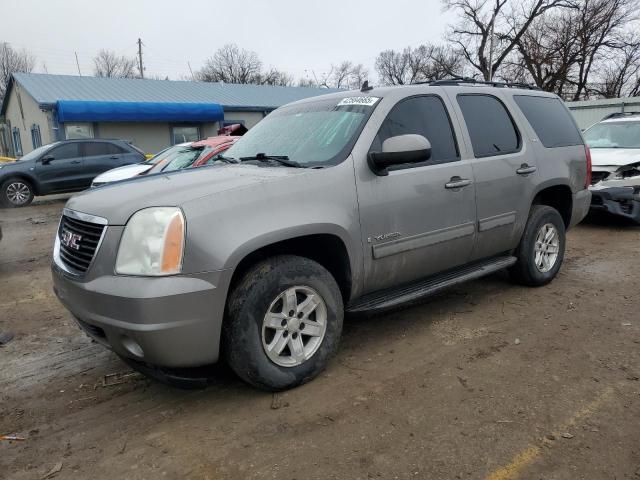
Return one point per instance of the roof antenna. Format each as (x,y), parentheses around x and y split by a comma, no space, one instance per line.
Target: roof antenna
(365,86)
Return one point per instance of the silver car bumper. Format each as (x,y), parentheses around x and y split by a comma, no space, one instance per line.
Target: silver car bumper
(169,322)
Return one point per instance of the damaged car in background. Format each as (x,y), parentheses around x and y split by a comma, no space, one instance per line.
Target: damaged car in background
(615,151)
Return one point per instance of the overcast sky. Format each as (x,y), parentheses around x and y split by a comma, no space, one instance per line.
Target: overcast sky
(298,36)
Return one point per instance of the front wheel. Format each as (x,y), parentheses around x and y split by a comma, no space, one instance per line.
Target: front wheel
(541,248)
(283,323)
(16,192)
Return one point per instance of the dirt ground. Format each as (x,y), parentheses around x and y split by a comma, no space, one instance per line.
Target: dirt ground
(487,381)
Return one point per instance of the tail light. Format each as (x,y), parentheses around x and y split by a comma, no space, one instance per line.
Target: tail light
(587,182)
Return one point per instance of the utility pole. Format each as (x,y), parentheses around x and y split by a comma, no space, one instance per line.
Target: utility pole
(140,67)
(192,77)
(78,64)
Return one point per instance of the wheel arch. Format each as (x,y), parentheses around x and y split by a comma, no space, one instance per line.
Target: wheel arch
(327,246)
(557,195)
(26,177)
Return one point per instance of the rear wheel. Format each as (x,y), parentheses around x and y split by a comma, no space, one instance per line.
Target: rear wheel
(284,321)
(541,248)
(16,192)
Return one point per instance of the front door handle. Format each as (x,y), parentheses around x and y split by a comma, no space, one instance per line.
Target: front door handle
(457,182)
(526,169)
(114,157)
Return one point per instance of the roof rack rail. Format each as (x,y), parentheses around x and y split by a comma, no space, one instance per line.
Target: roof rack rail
(473,81)
(619,114)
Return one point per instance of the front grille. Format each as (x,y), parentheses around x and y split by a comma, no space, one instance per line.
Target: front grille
(598,176)
(78,242)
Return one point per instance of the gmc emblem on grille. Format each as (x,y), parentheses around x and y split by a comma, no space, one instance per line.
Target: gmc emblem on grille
(70,239)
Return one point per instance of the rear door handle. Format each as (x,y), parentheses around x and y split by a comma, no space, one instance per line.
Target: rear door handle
(76,161)
(114,157)
(457,182)
(526,169)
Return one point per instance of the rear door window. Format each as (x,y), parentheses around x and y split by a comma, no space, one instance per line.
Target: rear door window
(551,121)
(426,116)
(94,149)
(490,126)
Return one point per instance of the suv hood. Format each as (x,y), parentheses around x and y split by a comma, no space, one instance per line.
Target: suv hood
(119,201)
(603,157)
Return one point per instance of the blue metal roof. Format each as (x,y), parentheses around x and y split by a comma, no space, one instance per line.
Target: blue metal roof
(48,89)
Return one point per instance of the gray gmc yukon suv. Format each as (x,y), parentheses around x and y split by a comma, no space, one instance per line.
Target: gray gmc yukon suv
(354,201)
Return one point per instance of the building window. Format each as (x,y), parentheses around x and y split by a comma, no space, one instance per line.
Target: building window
(78,130)
(184,134)
(36,139)
(17,142)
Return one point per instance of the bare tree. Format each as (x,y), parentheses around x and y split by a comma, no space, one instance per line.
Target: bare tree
(489,30)
(13,61)
(619,76)
(275,77)
(108,64)
(424,63)
(586,50)
(346,74)
(600,24)
(231,64)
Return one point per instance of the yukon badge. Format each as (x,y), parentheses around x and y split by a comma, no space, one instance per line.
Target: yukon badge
(383,236)
(70,239)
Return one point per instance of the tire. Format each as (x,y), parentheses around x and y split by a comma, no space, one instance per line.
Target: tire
(267,287)
(16,192)
(531,269)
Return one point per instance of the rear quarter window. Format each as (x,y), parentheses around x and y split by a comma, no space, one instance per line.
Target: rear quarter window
(551,121)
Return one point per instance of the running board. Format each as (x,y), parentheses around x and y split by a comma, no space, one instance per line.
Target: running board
(422,288)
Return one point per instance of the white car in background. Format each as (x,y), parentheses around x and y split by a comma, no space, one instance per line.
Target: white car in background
(130,171)
(615,154)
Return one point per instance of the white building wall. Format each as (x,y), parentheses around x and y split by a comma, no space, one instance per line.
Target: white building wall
(24,118)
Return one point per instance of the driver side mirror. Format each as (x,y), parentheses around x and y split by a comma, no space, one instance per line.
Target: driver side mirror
(399,150)
(46,160)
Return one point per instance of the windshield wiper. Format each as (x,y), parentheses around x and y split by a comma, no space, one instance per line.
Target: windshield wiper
(224,159)
(282,159)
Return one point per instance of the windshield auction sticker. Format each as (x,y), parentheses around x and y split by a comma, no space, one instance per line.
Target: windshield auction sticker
(366,101)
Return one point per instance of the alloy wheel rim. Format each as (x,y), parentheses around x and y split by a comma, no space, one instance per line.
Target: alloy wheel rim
(294,326)
(18,193)
(547,248)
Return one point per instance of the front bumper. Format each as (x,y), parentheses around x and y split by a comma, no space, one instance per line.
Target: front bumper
(167,321)
(621,201)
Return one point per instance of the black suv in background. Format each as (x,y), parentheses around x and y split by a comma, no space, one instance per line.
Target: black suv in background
(61,167)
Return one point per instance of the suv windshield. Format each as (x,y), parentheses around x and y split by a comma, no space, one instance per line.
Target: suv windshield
(623,134)
(311,134)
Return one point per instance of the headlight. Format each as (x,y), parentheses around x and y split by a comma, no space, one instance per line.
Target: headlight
(152,243)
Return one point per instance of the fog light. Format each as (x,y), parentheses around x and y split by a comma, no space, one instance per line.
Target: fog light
(132,346)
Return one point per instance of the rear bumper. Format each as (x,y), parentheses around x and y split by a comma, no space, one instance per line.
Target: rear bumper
(168,322)
(620,201)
